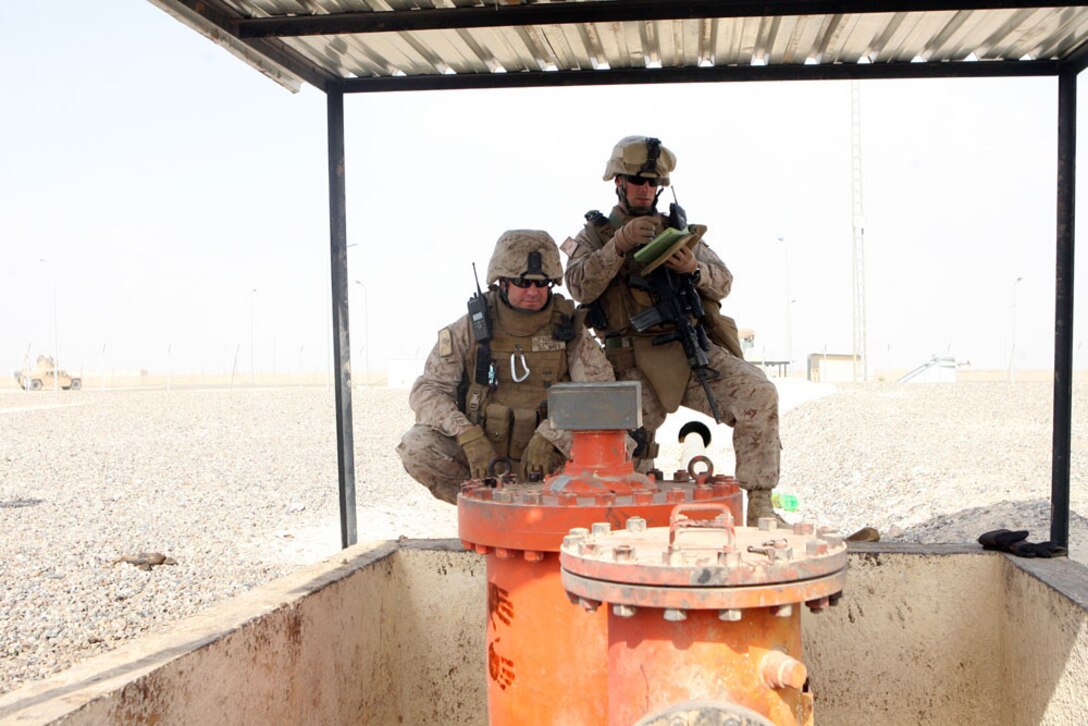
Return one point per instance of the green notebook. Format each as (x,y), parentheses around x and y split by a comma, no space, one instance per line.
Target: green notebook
(660,244)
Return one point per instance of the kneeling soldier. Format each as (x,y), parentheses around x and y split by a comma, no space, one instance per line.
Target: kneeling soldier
(602,271)
(483,391)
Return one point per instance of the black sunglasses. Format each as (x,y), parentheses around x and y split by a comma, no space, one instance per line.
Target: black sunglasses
(523,283)
(640,180)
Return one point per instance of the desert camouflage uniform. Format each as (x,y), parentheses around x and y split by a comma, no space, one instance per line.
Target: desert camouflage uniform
(429,450)
(746,399)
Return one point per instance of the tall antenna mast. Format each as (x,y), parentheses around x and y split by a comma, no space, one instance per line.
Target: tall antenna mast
(861,342)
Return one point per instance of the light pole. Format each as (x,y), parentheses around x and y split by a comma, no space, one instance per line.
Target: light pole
(789,333)
(789,301)
(234,368)
(1012,327)
(251,357)
(366,333)
(56,352)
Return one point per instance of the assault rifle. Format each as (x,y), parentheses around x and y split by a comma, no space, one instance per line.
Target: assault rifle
(677,303)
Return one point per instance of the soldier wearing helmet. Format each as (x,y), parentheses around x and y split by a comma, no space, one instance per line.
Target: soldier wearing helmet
(479,401)
(599,273)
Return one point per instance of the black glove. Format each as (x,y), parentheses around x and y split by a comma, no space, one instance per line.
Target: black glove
(1038,549)
(1016,543)
(1002,539)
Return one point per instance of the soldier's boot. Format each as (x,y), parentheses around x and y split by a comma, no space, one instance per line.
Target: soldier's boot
(759,505)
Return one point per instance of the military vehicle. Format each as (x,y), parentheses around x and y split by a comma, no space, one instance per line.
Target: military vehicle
(43,375)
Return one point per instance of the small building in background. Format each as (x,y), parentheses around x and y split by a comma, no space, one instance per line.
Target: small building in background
(834,367)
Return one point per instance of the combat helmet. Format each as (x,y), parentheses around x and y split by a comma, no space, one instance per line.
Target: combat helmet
(640,156)
(529,254)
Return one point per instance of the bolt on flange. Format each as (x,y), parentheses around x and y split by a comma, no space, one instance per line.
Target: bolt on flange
(782,611)
(675,615)
(589,605)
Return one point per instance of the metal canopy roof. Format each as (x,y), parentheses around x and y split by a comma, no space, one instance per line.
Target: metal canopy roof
(343,46)
(397,45)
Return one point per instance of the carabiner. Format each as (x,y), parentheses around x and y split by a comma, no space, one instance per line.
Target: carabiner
(513,365)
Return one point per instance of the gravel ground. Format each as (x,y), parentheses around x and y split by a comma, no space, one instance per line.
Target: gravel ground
(240,488)
(933,462)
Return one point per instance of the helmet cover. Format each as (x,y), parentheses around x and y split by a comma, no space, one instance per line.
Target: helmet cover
(529,254)
(640,156)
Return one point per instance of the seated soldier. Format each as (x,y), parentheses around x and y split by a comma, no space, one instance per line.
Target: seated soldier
(481,400)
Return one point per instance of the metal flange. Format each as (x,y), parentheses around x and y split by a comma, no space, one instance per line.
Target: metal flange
(705,564)
(528,517)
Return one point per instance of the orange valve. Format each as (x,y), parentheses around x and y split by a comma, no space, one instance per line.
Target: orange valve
(538,645)
(704,612)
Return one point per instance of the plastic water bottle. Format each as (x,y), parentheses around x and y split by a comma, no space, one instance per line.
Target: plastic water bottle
(785,502)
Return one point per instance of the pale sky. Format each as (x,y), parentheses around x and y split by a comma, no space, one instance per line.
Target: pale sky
(162,180)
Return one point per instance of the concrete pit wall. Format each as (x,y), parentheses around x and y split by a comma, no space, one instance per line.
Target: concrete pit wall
(906,643)
(392,633)
(1044,655)
(382,634)
(949,634)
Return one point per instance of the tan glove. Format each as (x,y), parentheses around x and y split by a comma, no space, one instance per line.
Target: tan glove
(478,450)
(639,230)
(540,456)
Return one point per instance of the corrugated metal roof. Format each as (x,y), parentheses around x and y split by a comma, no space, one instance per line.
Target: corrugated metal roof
(1015,34)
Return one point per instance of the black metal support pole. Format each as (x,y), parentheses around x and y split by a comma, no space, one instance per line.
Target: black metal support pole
(338,248)
(1063,307)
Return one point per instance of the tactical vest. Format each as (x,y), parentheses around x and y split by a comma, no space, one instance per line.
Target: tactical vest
(528,354)
(620,301)
(665,366)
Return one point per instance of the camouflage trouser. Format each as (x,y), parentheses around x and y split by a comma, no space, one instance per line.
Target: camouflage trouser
(439,463)
(434,460)
(745,398)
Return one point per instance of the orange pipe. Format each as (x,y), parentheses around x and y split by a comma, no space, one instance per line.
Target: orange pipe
(602,452)
(599,463)
(535,638)
(546,659)
(654,663)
